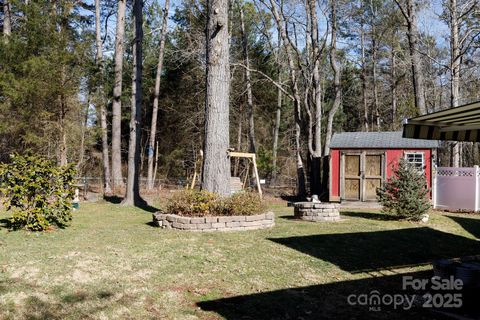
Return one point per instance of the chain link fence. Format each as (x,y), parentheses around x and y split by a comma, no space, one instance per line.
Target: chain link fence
(90,184)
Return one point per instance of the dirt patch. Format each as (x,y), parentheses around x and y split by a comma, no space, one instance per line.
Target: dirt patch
(25,273)
(80,276)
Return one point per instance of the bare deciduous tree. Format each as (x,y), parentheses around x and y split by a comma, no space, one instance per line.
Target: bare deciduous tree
(409,12)
(280,23)
(363,75)
(278,115)
(156,94)
(337,73)
(250,111)
(464,30)
(374,49)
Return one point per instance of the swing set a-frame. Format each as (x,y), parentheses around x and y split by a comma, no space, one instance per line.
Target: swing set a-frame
(251,162)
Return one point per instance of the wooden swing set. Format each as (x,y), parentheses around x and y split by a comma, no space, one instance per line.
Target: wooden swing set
(236,183)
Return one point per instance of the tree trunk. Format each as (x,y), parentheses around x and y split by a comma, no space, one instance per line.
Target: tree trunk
(63,133)
(475,154)
(316,117)
(278,115)
(250,111)
(132,194)
(117,177)
(393,84)
(316,150)
(107,185)
(454,70)
(239,141)
(107,188)
(156,94)
(155,170)
(276,131)
(81,151)
(62,101)
(7,18)
(410,16)
(216,163)
(416,60)
(301,188)
(373,35)
(364,80)
(143,146)
(236,164)
(374,80)
(314,114)
(337,73)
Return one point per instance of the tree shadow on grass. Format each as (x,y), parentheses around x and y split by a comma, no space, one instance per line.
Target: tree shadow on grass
(288,217)
(469,224)
(81,296)
(382,250)
(141,204)
(113,199)
(57,303)
(145,206)
(69,306)
(5,223)
(151,224)
(325,301)
(293,198)
(368,215)
(378,251)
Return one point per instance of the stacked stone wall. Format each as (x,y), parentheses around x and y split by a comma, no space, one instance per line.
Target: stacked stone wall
(220,223)
(317,211)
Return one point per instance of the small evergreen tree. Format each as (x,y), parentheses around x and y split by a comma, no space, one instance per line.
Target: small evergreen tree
(405,194)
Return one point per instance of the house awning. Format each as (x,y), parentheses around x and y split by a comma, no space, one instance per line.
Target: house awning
(455,124)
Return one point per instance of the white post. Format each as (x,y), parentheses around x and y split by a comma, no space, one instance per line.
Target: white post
(434,188)
(475,175)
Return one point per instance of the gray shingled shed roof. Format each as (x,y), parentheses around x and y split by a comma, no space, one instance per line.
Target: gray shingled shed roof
(382,140)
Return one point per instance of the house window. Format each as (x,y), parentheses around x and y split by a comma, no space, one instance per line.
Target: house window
(416,159)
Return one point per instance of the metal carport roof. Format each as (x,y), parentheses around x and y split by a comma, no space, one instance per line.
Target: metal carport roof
(455,124)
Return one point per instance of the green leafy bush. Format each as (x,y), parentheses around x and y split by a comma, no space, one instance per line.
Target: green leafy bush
(192,203)
(196,203)
(39,192)
(405,194)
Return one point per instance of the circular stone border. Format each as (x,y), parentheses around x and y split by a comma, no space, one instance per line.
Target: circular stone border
(214,223)
(317,211)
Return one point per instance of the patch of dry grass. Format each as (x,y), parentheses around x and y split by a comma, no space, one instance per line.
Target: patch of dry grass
(112,264)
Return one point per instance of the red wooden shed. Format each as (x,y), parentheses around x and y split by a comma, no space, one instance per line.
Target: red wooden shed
(361,161)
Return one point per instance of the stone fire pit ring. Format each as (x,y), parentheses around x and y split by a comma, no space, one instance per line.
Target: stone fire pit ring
(317,211)
(214,223)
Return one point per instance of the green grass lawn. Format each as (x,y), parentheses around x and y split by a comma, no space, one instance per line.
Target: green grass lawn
(111,264)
